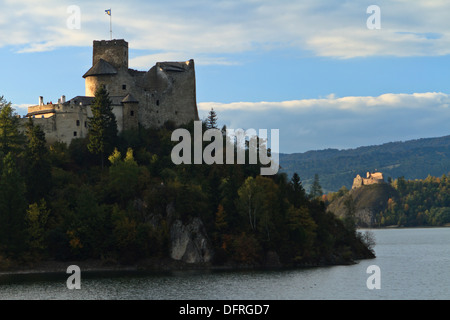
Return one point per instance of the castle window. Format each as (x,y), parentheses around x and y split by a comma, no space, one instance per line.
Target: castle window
(78,123)
(124,87)
(176,112)
(74,133)
(157,102)
(132,113)
(85,124)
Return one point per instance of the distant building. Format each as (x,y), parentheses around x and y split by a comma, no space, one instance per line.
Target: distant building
(148,98)
(371,178)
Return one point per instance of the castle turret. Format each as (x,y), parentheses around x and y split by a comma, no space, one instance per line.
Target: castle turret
(130,112)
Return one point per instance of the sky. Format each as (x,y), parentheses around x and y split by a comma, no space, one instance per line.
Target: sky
(325,73)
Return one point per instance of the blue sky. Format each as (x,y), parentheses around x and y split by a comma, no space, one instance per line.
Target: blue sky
(312,69)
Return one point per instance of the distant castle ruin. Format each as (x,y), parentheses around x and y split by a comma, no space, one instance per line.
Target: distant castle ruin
(371,178)
(166,92)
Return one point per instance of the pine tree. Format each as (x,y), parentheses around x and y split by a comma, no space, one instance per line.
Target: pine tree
(316,188)
(10,137)
(103,125)
(297,194)
(12,208)
(37,166)
(211,120)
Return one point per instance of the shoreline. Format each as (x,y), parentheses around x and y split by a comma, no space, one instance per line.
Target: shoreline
(156,265)
(447,225)
(47,267)
(165,264)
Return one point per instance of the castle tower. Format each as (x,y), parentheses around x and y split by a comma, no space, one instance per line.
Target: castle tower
(166,92)
(109,68)
(115,52)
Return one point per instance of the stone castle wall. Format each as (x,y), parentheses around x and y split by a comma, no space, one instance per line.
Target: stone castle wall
(113,51)
(166,92)
(372,178)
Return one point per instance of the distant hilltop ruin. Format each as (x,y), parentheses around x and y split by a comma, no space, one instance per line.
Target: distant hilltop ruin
(166,92)
(371,178)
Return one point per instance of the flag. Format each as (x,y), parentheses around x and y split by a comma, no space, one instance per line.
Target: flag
(108,12)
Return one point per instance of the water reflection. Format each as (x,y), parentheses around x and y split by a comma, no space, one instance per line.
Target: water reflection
(414,265)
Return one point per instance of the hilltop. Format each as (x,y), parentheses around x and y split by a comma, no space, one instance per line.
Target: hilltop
(365,203)
(407,203)
(129,204)
(413,159)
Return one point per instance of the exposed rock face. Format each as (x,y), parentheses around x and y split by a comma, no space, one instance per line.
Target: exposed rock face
(189,242)
(366,203)
(365,217)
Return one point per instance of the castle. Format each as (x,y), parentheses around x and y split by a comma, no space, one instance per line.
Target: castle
(371,178)
(147,98)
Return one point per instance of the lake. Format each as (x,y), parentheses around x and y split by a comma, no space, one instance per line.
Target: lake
(413,264)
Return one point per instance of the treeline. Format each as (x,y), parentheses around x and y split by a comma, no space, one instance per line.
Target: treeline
(420,203)
(412,203)
(414,159)
(114,198)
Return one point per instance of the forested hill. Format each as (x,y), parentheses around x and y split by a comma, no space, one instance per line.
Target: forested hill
(414,159)
(122,200)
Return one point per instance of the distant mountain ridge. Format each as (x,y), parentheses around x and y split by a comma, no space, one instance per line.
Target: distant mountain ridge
(412,159)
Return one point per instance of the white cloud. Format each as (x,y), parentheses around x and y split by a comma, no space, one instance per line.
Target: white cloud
(345,122)
(212,28)
(21,109)
(144,61)
(35,27)
(360,104)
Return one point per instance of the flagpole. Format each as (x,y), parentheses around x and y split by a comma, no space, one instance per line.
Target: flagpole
(110,23)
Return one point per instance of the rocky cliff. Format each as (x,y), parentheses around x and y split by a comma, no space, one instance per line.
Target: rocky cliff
(189,242)
(364,202)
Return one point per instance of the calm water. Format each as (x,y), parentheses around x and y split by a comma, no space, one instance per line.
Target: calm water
(414,264)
